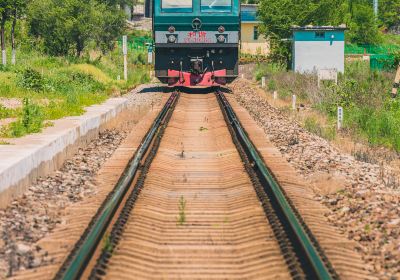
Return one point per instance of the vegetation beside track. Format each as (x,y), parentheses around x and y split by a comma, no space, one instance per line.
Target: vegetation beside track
(370,114)
(55,87)
(59,57)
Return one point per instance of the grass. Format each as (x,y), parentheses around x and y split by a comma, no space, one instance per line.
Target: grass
(314,126)
(6,112)
(55,87)
(369,111)
(182,208)
(107,245)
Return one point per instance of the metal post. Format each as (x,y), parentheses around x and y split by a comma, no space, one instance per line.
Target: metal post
(125,52)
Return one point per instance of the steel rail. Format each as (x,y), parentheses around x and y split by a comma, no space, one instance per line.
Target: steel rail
(317,268)
(76,263)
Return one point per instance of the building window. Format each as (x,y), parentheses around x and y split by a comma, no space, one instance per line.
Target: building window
(255,33)
(319,35)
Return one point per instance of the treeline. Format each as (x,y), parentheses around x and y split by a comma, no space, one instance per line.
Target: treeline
(61,27)
(278,16)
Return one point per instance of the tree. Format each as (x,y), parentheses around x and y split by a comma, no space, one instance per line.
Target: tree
(110,27)
(389,13)
(278,16)
(363,27)
(17,9)
(5,7)
(67,26)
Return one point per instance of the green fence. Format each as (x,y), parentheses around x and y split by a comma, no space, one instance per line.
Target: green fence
(371,49)
(382,57)
(137,43)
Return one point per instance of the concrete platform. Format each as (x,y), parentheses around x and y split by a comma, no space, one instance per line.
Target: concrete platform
(39,154)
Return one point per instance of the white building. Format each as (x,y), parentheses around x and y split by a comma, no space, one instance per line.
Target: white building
(318,47)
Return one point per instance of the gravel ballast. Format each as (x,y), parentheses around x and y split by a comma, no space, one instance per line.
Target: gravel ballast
(34,215)
(364,197)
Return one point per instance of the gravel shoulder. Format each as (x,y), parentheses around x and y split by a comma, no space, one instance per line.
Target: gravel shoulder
(363,197)
(42,208)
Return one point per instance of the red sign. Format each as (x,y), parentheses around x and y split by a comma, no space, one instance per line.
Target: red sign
(197,37)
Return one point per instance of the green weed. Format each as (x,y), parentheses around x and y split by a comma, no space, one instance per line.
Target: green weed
(107,245)
(6,113)
(30,121)
(182,215)
(313,125)
(32,80)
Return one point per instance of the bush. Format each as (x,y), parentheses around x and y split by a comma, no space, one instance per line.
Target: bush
(141,59)
(30,121)
(32,80)
(5,113)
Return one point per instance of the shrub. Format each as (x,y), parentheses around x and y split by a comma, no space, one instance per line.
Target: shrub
(32,80)
(141,59)
(5,112)
(30,121)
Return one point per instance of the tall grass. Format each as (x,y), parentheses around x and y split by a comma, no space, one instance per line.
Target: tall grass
(55,87)
(369,110)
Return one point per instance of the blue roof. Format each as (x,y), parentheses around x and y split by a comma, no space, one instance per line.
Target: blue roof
(249,13)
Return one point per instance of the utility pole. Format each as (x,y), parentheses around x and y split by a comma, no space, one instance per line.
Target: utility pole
(376,8)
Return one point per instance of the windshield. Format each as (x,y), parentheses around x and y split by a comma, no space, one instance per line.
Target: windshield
(216,5)
(176,6)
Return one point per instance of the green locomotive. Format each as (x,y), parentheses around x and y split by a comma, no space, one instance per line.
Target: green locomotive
(196,41)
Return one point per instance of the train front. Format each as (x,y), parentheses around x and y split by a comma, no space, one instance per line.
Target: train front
(196,41)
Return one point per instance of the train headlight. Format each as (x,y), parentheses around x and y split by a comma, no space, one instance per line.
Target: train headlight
(171,29)
(171,38)
(221,39)
(221,29)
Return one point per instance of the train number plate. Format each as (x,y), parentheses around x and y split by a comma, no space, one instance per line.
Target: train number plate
(197,37)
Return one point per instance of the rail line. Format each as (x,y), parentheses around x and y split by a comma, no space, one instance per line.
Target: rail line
(201,181)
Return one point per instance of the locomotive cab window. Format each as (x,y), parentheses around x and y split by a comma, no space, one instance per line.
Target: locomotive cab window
(177,6)
(210,6)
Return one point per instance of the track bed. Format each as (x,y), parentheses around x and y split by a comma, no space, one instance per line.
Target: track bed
(225,233)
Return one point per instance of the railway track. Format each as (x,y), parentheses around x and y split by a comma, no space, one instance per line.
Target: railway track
(197,200)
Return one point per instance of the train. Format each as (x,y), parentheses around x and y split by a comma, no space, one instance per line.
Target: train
(196,42)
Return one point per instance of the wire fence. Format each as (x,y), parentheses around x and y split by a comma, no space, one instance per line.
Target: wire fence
(382,57)
(372,49)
